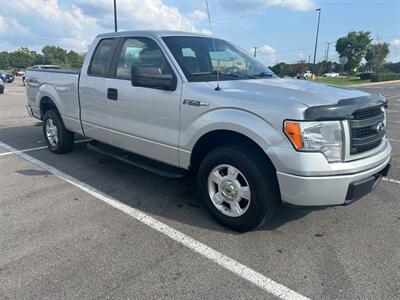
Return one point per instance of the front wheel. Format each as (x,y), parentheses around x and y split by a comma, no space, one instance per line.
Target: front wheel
(238,186)
(58,138)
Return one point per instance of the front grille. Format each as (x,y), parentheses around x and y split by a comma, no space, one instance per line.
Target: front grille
(366,134)
(367,113)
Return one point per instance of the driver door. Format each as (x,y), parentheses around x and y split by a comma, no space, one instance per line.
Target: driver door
(142,120)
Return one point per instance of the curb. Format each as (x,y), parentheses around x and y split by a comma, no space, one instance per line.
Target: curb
(373,83)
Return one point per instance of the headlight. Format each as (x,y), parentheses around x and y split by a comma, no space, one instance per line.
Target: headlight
(325,137)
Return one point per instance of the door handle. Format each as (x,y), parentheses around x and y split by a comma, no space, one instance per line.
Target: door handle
(112,94)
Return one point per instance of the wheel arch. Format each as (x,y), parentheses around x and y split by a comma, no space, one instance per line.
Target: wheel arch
(48,98)
(221,137)
(227,126)
(46,103)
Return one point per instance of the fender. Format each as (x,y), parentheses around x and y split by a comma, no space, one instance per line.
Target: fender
(240,121)
(46,90)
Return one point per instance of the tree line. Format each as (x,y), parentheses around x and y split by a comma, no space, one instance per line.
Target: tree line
(50,55)
(361,53)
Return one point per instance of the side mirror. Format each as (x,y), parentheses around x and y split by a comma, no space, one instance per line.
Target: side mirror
(151,77)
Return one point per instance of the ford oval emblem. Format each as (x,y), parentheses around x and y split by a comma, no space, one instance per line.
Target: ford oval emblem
(380,127)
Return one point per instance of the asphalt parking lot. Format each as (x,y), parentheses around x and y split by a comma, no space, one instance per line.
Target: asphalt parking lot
(81,225)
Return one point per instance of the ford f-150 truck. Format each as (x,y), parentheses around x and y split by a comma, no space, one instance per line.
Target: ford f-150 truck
(177,103)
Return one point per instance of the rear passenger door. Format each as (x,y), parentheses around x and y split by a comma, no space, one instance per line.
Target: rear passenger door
(93,92)
(143,120)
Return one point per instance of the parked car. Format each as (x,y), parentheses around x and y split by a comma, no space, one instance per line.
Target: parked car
(41,67)
(45,67)
(9,78)
(18,72)
(6,77)
(306,75)
(2,75)
(331,74)
(1,86)
(163,101)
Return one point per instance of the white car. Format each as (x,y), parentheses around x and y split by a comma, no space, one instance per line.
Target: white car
(331,74)
(305,75)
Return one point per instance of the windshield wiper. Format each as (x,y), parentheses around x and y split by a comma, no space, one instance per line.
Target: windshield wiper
(261,75)
(234,75)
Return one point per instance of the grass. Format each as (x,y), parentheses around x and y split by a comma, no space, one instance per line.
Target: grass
(342,80)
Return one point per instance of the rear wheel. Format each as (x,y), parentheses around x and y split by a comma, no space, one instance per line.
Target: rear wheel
(238,186)
(58,138)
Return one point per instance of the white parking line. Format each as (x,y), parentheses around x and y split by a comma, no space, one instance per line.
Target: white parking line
(221,259)
(19,94)
(36,148)
(393,140)
(391,180)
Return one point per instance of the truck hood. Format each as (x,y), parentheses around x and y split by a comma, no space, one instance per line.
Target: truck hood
(304,92)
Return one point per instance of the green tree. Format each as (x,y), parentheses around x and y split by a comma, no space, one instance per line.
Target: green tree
(353,46)
(393,67)
(376,55)
(75,60)
(54,55)
(4,60)
(21,58)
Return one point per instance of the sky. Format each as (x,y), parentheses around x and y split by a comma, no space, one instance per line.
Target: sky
(283,30)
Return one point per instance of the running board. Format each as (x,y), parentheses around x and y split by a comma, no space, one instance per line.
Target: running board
(139,161)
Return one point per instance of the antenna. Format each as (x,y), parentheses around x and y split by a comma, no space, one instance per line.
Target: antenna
(215,48)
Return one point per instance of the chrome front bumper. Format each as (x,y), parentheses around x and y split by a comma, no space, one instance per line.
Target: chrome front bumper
(328,190)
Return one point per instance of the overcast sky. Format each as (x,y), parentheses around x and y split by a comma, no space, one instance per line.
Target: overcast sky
(284,30)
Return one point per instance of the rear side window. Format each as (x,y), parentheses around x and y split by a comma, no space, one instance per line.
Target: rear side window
(102,57)
(142,52)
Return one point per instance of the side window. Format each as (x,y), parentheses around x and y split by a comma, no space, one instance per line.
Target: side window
(102,58)
(141,52)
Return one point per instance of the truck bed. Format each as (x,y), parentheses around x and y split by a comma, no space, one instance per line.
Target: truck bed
(61,86)
(66,71)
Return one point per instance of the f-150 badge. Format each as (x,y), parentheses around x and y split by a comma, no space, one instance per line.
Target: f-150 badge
(194,102)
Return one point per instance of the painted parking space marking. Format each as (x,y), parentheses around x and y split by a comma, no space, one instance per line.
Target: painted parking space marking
(391,180)
(394,140)
(219,258)
(12,93)
(35,148)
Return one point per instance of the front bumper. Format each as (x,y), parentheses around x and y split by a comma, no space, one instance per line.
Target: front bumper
(329,190)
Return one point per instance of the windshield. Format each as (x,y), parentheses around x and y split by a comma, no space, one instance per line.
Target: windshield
(200,61)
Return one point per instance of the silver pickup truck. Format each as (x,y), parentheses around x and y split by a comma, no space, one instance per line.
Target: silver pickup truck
(177,103)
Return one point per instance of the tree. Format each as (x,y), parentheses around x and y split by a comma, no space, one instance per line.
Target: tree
(75,60)
(4,60)
(376,55)
(353,46)
(393,67)
(54,55)
(22,58)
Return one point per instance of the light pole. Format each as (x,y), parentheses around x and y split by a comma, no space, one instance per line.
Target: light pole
(316,39)
(115,16)
(255,51)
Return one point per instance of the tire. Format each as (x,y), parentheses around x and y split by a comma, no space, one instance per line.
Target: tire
(254,172)
(59,140)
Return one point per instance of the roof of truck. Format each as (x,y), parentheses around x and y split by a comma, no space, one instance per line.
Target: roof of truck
(154,33)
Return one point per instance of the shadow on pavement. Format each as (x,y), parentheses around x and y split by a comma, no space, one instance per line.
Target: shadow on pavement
(173,199)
